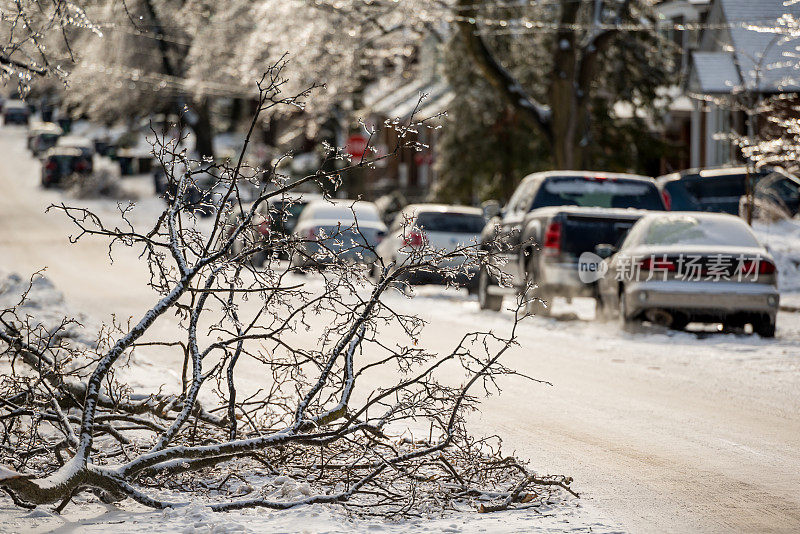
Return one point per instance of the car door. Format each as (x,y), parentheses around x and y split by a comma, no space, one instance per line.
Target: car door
(510,230)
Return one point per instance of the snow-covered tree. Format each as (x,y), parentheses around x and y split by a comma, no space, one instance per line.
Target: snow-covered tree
(562,65)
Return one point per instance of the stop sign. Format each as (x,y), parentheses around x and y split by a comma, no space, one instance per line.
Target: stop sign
(356,145)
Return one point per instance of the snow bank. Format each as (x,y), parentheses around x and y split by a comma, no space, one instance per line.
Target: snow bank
(782,240)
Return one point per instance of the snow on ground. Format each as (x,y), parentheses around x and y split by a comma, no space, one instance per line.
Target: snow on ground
(89,517)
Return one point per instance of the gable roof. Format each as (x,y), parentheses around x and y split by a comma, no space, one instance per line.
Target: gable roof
(756,59)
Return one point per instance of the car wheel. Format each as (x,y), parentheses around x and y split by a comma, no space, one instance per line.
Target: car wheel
(537,301)
(679,322)
(764,326)
(485,300)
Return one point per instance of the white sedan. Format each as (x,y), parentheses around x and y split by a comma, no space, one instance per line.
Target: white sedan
(337,231)
(674,268)
(448,235)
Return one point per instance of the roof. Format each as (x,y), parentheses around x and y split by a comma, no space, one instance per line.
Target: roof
(757,58)
(402,101)
(715,72)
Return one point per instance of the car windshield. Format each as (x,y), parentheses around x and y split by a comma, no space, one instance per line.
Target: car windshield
(704,231)
(457,223)
(598,193)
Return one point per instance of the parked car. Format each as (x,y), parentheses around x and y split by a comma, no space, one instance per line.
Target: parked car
(442,228)
(274,221)
(333,231)
(43,137)
(681,267)
(84,144)
(550,220)
(61,162)
(720,190)
(16,112)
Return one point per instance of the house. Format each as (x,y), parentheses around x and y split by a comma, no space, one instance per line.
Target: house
(737,64)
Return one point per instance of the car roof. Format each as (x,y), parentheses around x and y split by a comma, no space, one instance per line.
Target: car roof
(64,151)
(44,128)
(587,174)
(711,172)
(442,208)
(296,197)
(76,141)
(19,104)
(699,215)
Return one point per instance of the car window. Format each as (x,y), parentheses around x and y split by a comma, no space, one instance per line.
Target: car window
(708,188)
(784,187)
(689,230)
(459,223)
(521,198)
(590,192)
(680,199)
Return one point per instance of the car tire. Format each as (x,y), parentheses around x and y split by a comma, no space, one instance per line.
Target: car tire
(679,322)
(764,327)
(487,301)
(537,301)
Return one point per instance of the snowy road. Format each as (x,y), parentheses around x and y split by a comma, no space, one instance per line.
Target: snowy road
(663,433)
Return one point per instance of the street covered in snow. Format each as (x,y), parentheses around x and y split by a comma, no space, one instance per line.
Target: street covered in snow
(660,430)
(348,266)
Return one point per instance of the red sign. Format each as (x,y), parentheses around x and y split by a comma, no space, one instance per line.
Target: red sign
(356,145)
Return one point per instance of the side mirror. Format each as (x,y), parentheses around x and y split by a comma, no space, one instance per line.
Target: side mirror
(380,235)
(604,250)
(491,209)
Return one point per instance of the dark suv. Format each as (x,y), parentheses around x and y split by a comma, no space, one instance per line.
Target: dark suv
(721,190)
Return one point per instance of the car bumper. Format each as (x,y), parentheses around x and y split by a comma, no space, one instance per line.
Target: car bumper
(702,299)
(561,278)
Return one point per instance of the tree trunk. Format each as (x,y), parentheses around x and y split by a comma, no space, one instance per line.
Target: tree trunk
(202,130)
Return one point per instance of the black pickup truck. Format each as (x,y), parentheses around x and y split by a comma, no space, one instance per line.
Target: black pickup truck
(551,219)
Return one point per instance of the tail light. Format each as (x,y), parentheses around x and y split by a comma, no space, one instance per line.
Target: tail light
(552,238)
(663,264)
(263,226)
(667,199)
(413,239)
(764,266)
(81,166)
(51,165)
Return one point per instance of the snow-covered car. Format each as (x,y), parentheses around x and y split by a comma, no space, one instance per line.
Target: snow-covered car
(440,228)
(16,112)
(84,144)
(59,163)
(334,231)
(43,136)
(680,267)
